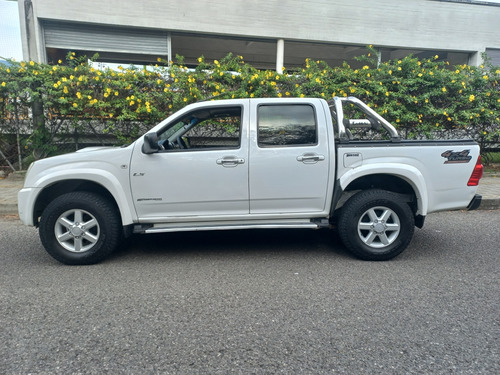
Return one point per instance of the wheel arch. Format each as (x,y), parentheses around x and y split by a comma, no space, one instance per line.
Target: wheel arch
(408,182)
(52,191)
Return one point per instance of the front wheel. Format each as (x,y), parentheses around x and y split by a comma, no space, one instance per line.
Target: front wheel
(376,224)
(80,228)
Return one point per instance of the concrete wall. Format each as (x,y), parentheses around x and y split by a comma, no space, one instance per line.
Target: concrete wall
(412,24)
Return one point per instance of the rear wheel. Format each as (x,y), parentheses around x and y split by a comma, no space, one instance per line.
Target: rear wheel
(80,228)
(376,224)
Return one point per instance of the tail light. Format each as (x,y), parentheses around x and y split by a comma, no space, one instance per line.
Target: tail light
(477,173)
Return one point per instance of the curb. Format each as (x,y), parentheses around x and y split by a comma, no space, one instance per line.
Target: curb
(8,209)
(486,204)
(490,204)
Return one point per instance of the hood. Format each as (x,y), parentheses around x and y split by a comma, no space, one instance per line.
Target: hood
(95,148)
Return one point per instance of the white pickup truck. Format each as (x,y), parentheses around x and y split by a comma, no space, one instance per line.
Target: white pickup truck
(251,163)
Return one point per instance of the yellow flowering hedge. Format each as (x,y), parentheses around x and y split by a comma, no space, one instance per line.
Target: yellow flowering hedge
(422,98)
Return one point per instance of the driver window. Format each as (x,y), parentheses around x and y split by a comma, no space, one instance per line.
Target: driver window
(204,129)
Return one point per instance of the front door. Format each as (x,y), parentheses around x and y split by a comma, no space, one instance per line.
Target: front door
(202,169)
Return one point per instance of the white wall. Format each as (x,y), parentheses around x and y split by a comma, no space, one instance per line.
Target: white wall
(416,24)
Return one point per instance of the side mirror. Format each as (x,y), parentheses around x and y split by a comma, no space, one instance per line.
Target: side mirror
(150,145)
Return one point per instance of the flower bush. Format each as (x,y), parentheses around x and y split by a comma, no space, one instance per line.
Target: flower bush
(422,98)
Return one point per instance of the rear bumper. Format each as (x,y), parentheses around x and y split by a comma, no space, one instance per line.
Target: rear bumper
(475,202)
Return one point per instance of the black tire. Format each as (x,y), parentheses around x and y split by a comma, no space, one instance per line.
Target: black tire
(80,228)
(376,225)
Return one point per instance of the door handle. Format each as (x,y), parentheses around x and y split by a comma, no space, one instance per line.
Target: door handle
(230,161)
(310,158)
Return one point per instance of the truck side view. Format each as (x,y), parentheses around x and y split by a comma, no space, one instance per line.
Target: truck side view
(251,163)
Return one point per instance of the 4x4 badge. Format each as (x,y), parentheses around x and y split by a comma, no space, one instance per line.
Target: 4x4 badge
(456,157)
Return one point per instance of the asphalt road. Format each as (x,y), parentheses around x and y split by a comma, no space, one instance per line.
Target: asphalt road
(259,302)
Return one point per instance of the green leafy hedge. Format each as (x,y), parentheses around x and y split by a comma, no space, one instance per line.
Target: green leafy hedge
(422,98)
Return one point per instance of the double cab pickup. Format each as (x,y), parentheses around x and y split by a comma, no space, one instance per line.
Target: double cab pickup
(252,163)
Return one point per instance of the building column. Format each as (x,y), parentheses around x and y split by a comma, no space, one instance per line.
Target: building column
(280,55)
(169,47)
(476,58)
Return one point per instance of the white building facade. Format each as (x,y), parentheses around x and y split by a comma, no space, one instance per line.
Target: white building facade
(267,33)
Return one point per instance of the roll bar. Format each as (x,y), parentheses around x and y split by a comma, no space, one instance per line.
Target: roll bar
(374,120)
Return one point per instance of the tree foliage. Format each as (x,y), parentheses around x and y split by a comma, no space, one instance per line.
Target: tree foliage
(422,98)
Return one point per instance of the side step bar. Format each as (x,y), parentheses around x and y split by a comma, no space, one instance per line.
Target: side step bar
(186,227)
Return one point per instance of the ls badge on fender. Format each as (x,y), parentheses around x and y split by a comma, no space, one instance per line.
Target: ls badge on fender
(456,157)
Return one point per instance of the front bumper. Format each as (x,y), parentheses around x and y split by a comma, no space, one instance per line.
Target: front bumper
(25,203)
(475,202)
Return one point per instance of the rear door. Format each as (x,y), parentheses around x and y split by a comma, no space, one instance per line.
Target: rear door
(289,157)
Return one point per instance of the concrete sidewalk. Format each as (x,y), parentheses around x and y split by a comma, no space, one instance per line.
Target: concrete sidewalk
(489,188)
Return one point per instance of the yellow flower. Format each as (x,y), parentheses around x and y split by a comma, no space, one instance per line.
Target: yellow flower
(65,90)
(472,98)
(32,63)
(59,61)
(75,105)
(111,115)
(443,89)
(158,59)
(485,77)
(3,84)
